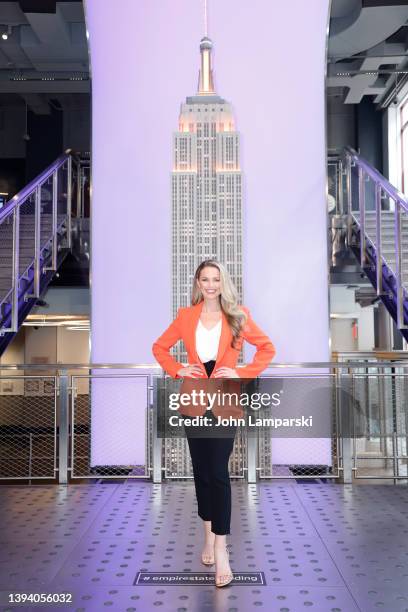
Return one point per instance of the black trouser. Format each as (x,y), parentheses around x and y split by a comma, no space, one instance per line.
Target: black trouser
(210,458)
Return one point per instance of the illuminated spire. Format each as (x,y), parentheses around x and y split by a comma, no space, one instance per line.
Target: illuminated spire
(205,19)
(206,82)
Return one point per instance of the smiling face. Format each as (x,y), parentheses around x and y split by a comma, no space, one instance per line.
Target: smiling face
(210,283)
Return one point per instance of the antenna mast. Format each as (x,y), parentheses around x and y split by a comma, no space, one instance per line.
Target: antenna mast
(205,19)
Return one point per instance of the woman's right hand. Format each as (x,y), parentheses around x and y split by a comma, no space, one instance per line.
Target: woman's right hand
(191,371)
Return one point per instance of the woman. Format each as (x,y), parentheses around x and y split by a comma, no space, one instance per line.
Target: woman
(213,329)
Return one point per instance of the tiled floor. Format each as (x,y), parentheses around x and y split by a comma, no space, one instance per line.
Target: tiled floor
(327,547)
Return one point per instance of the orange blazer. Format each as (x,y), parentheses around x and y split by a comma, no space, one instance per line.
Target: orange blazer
(184,328)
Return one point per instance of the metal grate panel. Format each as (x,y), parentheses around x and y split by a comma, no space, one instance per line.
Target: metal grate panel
(82,424)
(28,427)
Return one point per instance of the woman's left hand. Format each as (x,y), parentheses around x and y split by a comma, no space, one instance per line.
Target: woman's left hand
(225,372)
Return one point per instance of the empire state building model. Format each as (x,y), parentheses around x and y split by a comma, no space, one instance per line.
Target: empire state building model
(206,188)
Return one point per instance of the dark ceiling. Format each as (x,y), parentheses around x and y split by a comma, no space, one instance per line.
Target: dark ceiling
(41,6)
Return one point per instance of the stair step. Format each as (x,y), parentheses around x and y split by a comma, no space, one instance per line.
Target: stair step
(386,233)
(24,244)
(27,240)
(386,215)
(385,226)
(391,254)
(28,224)
(389,247)
(24,228)
(24,249)
(23,264)
(25,234)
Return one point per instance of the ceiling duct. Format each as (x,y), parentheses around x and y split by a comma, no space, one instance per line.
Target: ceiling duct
(38,6)
(362,27)
(42,6)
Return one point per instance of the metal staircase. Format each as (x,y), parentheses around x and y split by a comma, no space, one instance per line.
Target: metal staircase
(35,237)
(378,233)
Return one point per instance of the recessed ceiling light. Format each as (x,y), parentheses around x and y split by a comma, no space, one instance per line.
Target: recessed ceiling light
(6,32)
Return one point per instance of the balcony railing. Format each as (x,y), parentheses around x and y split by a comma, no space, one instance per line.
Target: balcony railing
(48,422)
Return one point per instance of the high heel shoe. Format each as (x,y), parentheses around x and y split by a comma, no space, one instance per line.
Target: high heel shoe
(207,560)
(227,578)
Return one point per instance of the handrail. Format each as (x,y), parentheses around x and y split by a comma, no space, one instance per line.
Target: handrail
(382,187)
(376,353)
(155,366)
(35,245)
(378,178)
(22,195)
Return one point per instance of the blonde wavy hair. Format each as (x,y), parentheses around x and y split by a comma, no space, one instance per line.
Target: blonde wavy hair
(228,299)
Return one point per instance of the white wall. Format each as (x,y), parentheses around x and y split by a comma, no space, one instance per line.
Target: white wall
(393,146)
(342,302)
(393,143)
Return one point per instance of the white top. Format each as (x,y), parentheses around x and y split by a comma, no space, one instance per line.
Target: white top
(207,341)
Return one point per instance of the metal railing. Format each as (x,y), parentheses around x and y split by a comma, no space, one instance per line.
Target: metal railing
(380,385)
(48,420)
(381,213)
(28,427)
(34,226)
